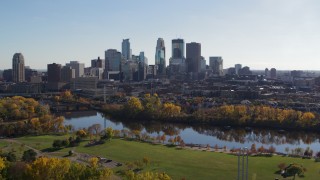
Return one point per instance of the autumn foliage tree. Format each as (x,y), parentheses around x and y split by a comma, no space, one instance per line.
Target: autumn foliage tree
(133,107)
(257,115)
(170,110)
(64,169)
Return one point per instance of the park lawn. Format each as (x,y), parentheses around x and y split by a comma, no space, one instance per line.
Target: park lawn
(17,149)
(40,142)
(184,163)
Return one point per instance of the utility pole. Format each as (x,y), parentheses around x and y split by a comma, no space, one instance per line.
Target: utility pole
(243,164)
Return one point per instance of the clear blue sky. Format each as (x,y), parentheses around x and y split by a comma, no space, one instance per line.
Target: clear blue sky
(284,34)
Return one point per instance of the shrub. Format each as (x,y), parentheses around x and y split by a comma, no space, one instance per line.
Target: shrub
(29,155)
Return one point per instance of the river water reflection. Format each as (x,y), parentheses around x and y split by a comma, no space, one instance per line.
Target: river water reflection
(204,134)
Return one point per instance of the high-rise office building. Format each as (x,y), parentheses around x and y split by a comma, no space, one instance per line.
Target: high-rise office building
(216,64)
(18,71)
(160,57)
(273,73)
(126,51)
(28,73)
(54,73)
(203,64)
(143,59)
(7,75)
(237,67)
(193,57)
(177,62)
(112,60)
(78,67)
(67,74)
(267,73)
(177,49)
(98,63)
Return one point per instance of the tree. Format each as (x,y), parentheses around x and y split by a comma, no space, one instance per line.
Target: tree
(178,139)
(137,134)
(293,170)
(272,150)
(253,148)
(2,163)
(307,119)
(130,175)
(57,143)
(95,129)
(2,166)
(48,168)
(163,138)
(65,142)
(81,133)
(94,162)
(67,95)
(152,105)
(116,133)
(287,149)
(10,156)
(29,155)
(282,166)
(133,107)
(308,152)
(261,149)
(108,133)
(170,110)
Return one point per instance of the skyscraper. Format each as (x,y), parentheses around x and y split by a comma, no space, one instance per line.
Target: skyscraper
(273,73)
(193,57)
(177,62)
(160,57)
(112,60)
(67,74)
(237,67)
(18,72)
(54,73)
(126,51)
(177,48)
(79,68)
(267,73)
(98,63)
(216,64)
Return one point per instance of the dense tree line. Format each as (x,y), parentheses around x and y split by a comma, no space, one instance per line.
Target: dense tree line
(22,116)
(17,108)
(149,107)
(53,168)
(264,116)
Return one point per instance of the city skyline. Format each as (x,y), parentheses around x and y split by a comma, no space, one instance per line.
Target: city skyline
(257,34)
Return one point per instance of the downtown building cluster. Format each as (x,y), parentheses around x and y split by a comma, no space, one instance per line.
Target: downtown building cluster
(121,66)
(121,70)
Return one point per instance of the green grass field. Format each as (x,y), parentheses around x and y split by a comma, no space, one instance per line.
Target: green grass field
(182,163)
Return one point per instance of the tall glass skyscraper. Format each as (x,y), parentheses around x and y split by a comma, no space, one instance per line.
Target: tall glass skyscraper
(126,51)
(113,60)
(18,71)
(177,48)
(160,58)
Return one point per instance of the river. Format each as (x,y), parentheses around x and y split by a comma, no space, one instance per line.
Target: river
(204,134)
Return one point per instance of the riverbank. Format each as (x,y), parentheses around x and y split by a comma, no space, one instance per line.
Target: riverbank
(179,163)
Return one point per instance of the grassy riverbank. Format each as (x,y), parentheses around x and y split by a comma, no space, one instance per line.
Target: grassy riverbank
(178,163)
